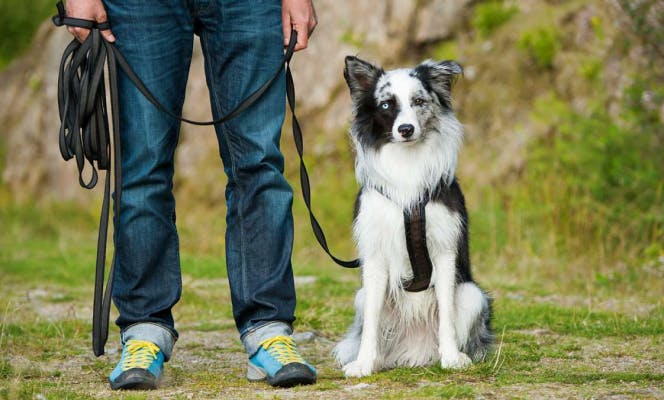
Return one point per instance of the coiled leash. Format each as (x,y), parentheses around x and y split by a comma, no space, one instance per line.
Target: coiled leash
(85,136)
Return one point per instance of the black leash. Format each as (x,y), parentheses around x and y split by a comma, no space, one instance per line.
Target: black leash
(85,136)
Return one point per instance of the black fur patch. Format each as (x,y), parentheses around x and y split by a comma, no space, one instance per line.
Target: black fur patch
(438,79)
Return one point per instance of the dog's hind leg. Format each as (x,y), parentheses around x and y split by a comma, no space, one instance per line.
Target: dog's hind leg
(473,320)
(346,350)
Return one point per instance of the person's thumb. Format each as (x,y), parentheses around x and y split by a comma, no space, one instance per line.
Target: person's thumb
(106,33)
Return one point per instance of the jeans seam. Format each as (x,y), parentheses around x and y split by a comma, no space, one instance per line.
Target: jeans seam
(174,213)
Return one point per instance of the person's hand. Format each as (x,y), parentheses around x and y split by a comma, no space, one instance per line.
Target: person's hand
(299,15)
(91,10)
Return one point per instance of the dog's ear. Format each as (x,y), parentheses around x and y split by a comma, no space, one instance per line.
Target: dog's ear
(440,76)
(361,76)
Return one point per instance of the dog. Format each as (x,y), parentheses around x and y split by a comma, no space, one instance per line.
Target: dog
(406,139)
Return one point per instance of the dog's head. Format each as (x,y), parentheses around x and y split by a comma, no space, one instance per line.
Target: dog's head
(401,105)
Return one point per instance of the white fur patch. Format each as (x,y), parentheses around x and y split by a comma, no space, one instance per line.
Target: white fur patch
(405,171)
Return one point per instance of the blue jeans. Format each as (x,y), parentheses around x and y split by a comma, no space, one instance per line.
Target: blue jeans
(242,45)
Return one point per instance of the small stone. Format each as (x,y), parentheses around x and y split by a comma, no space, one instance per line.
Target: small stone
(303,337)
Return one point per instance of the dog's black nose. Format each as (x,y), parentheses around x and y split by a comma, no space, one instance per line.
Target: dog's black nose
(406,130)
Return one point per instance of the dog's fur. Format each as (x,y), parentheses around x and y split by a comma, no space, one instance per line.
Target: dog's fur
(406,139)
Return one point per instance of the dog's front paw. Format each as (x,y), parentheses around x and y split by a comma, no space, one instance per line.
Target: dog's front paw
(456,360)
(358,369)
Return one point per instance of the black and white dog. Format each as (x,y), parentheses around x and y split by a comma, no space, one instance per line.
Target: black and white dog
(406,139)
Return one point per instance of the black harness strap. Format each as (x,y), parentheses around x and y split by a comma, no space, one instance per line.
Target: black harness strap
(416,243)
(84,135)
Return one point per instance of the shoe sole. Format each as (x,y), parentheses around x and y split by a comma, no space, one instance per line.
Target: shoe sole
(290,375)
(134,379)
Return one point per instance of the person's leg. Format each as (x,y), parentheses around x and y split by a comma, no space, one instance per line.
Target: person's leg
(243,45)
(156,38)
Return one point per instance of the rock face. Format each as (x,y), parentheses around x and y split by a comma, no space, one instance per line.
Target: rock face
(379,30)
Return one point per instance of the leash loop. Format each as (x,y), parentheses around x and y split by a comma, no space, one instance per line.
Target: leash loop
(62,19)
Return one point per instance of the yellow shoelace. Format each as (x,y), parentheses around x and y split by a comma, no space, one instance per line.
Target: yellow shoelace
(140,354)
(283,349)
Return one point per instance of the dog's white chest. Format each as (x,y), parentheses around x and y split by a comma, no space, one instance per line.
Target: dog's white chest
(380,233)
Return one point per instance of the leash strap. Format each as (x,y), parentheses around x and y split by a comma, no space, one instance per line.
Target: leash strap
(84,135)
(304,176)
(418,252)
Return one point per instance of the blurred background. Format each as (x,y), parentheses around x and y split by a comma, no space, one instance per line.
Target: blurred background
(563,164)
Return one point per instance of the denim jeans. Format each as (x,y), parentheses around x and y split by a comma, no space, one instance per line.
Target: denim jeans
(242,45)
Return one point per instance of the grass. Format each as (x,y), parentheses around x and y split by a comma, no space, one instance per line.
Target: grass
(548,343)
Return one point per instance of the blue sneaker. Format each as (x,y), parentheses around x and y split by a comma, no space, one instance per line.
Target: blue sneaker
(278,362)
(139,367)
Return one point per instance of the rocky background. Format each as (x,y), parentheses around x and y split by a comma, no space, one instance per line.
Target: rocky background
(562,103)
(378,30)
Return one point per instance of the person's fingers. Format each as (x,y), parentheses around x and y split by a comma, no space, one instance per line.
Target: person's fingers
(88,10)
(298,15)
(286,26)
(82,33)
(302,36)
(313,21)
(79,33)
(108,35)
(302,32)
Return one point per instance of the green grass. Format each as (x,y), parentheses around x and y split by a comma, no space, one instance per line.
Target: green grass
(538,340)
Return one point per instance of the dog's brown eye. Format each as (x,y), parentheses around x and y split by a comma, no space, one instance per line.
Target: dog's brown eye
(419,101)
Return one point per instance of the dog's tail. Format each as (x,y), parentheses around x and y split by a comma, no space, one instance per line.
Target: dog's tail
(474,312)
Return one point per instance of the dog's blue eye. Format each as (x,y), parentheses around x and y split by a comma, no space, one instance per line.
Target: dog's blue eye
(384,105)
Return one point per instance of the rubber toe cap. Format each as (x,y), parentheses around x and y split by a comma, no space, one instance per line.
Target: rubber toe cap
(134,379)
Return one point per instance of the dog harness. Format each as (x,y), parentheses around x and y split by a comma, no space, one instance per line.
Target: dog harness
(415,228)
(415,222)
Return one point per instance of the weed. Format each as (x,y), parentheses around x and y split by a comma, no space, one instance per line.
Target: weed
(6,370)
(488,16)
(542,45)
